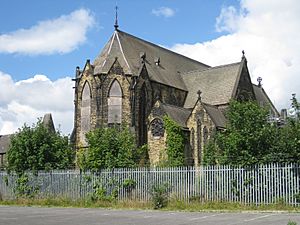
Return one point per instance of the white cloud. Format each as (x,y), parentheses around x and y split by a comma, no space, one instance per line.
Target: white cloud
(26,100)
(268,31)
(163,11)
(60,35)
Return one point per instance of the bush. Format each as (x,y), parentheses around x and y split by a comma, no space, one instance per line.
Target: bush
(108,148)
(129,184)
(297,197)
(160,195)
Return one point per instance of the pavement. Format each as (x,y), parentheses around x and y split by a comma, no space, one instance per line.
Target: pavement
(12,215)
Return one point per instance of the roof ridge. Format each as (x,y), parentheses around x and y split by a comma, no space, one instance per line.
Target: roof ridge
(211,68)
(175,106)
(207,104)
(163,48)
(121,48)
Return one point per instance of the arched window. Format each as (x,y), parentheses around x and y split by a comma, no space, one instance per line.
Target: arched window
(85,113)
(114,102)
(157,128)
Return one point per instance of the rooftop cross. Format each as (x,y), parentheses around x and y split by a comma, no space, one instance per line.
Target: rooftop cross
(116,20)
(199,95)
(259,80)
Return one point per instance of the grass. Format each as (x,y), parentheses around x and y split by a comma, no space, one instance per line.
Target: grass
(65,202)
(173,205)
(195,206)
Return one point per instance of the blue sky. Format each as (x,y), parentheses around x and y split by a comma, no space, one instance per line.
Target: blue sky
(42,42)
(191,22)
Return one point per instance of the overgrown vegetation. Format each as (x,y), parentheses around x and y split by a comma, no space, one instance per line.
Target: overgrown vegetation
(37,148)
(111,148)
(160,195)
(107,191)
(251,139)
(175,143)
(173,204)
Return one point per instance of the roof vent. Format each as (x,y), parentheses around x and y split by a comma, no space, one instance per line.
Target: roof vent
(143,56)
(157,61)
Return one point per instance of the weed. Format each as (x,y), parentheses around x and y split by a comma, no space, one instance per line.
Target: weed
(160,195)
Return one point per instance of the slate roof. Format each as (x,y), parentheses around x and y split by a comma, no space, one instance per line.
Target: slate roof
(178,114)
(128,49)
(181,115)
(217,84)
(4,143)
(216,115)
(48,122)
(263,99)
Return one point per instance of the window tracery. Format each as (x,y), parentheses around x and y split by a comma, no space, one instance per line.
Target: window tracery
(157,128)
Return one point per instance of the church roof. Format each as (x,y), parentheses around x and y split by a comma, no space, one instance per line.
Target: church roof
(129,49)
(217,84)
(178,114)
(263,99)
(216,115)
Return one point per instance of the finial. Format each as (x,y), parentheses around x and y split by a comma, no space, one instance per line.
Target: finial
(77,72)
(259,80)
(199,95)
(116,20)
(243,52)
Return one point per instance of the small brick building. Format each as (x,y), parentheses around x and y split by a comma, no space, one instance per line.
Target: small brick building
(136,82)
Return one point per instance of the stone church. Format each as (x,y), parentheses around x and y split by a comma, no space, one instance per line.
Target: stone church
(136,82)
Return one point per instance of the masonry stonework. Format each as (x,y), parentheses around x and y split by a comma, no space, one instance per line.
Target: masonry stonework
(155,82)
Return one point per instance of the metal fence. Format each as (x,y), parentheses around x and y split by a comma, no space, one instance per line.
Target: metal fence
(264,184)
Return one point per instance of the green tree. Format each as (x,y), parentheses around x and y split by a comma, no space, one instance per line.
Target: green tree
(108,148)
(37,148)
(287,148)
(248,138)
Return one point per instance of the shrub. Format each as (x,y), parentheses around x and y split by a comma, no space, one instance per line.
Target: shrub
(129,184)
(160,195)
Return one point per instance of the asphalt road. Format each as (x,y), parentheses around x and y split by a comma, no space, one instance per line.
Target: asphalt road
(77,216)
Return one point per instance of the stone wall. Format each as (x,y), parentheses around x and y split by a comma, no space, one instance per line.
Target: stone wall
(156,143)
(86,77)
(196,123)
